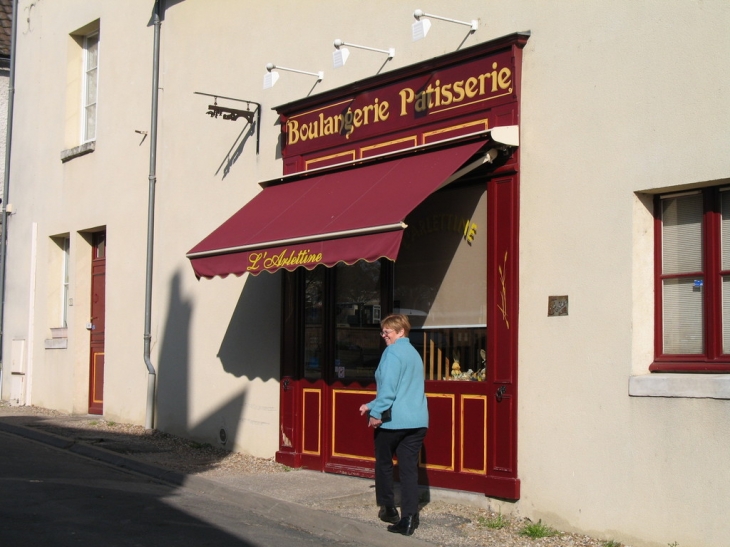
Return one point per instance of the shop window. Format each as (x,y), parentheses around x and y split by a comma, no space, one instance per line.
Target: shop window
(692,281)
(440,282)
(357,320)
(314,282)
(342,304)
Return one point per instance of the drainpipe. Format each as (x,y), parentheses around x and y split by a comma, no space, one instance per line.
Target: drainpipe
(6,183)
(151,374)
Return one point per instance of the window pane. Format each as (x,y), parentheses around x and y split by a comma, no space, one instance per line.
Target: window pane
(682,234)
(441,271)
(726,314)
(65,279)
(313,323)
(91,88)
(452,354)
(90,128)
(725,229)
(92,51)
(357,320)
(683,316)
(441,282)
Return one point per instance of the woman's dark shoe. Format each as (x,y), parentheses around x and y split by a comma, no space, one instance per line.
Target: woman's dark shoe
(388,514)
(405,526)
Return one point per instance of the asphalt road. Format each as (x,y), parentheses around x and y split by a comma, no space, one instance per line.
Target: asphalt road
(51,497)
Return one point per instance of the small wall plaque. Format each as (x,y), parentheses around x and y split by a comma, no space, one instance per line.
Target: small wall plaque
(557,305)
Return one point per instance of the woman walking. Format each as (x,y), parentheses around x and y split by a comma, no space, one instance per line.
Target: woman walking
(399,414)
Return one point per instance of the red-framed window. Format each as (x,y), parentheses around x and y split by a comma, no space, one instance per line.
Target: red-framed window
(692,281)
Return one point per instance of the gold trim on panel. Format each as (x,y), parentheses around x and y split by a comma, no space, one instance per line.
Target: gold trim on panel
(412,138)
(503,293)
(461,463)
(334,396)
(93,380)
(453,433)
(319,421)
(509,92)
(452,128)
(351,153)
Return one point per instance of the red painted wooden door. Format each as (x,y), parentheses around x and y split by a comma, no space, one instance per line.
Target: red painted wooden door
(96,323)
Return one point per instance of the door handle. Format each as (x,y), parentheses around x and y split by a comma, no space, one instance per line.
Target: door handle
(500,392)
(285,384)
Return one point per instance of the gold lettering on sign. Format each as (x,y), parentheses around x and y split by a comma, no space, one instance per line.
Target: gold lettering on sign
(344,123)
(285,258)
(436,95)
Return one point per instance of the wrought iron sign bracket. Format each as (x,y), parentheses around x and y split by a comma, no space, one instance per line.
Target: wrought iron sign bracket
(215,110)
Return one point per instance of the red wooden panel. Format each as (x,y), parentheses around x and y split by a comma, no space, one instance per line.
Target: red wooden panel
(440,444)
(351,436)
(311,421)
(330,159)
(392,145)
(504,435)
(474,434)
(456,130)
(97,379)
(286,406)
(502,308)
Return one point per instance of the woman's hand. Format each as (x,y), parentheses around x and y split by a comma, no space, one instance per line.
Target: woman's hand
(372,422)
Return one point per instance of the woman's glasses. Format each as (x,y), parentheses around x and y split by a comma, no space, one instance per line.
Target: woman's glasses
(386,332)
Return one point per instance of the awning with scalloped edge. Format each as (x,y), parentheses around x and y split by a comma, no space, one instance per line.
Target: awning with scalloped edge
(342,216)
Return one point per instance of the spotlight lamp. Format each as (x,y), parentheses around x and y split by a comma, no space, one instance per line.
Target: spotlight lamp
(421,26)
(341,53)
(271,77)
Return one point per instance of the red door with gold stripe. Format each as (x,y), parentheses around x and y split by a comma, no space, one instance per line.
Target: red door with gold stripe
(96,323)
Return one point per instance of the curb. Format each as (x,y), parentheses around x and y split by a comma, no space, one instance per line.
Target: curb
(288,514)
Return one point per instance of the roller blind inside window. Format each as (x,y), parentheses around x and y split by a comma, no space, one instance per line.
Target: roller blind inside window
(682,296)
(725,252)
(682,234)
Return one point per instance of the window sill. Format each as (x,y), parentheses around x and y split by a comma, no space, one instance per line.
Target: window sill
(56,343)
(77,151)
(702,386)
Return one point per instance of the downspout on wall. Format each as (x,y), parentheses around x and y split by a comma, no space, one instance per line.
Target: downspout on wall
(6,183)
(151,374)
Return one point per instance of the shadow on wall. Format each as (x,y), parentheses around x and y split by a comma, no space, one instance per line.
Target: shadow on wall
(173,378)
(249,349)
(250,346)
(236,149)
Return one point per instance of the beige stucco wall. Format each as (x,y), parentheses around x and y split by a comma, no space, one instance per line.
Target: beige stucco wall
(618,99)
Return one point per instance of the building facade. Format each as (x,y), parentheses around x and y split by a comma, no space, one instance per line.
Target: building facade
(540,188)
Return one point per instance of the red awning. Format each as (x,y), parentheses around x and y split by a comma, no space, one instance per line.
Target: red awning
(343,216)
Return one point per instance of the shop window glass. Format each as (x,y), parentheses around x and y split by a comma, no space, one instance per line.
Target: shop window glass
(440,282)
(357,320)
(313,323)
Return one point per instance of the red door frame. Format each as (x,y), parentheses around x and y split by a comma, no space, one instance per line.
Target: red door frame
(97,323)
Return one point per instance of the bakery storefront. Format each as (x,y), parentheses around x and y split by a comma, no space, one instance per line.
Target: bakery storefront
(400,193)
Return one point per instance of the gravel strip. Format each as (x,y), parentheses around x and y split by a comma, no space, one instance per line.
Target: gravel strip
(445,524)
